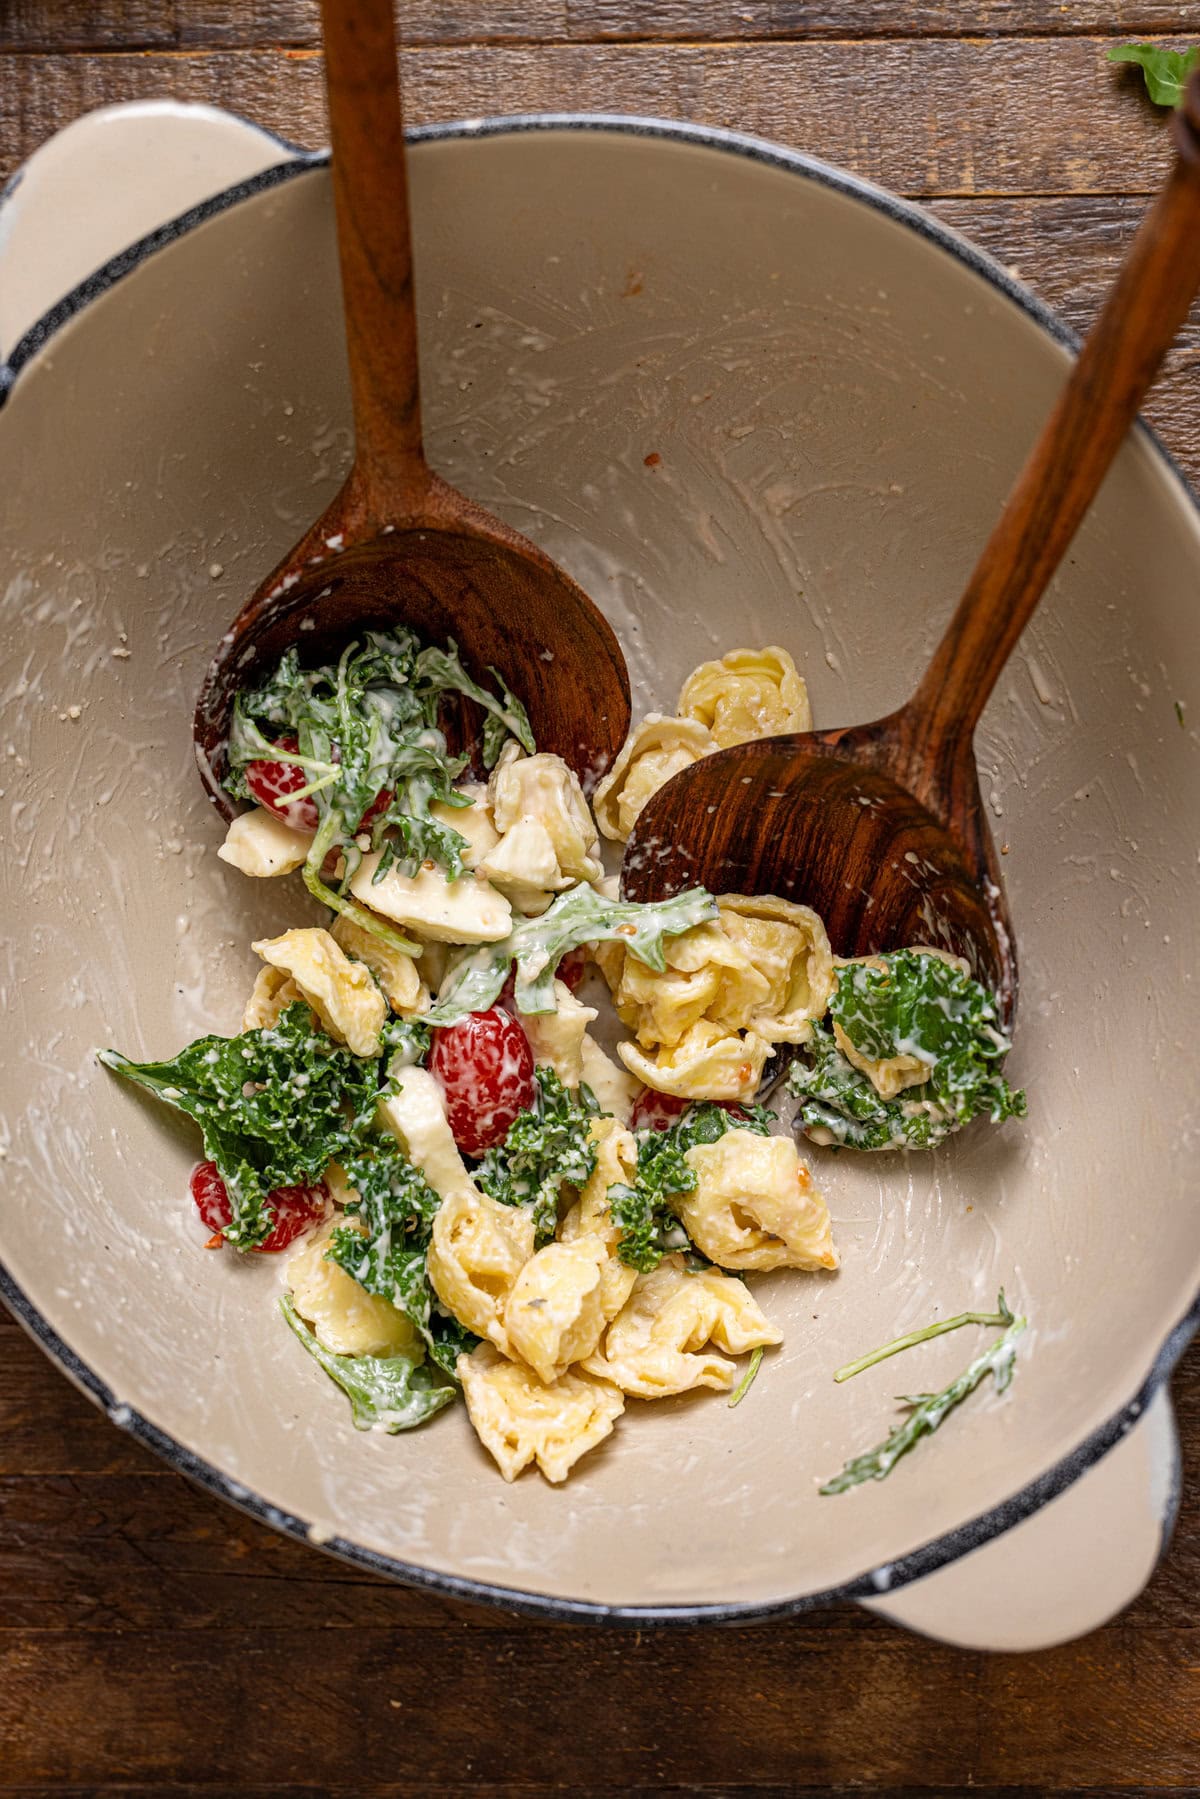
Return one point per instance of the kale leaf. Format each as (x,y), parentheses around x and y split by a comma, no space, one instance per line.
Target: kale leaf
(367,725)
(918,1005)
(642,1208)
(546,1146)
(392,1393)
(1164,71)
(395,1209)
(537,945)
(276,1106)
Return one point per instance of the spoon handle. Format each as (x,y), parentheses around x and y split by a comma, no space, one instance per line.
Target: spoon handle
(370,195)
(1119,360)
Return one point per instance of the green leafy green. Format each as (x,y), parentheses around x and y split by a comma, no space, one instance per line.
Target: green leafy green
(1164,71)
(747,1381)
(395,1209)
(537,945)
(642,1207)
(917,1005)
(1001,1315)
(276,1106)
(926,1411)
(369,724)
(406,1044)
(545,1148)
(392,1393)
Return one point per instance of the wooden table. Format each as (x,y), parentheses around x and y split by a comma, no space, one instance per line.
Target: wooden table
(154,1642)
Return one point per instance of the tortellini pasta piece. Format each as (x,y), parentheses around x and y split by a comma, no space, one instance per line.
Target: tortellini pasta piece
(260,843)
(474,822)
(591,1219)
(468,910)
(659,1343)
(344,1316)
(708,1062)
(554,1315)
(754,1205)
(273,992)
(614,1087)
(747,694)
(654,751)
(396,973)
(477,1249)
(706,976)
(556,1038)
(519,1419)
(789,949)
(343,994)
(544,791)
(415,1114)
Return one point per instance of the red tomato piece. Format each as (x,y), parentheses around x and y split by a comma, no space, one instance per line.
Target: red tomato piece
(272,782)
(295,1208)
(485,1067)
(658,1111)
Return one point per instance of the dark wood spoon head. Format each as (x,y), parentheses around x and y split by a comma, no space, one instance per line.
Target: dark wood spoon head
(809,818)
(500,598)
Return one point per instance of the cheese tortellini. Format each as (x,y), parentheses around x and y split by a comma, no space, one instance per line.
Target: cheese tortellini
(479,1248)
(654,751)
(468,910)
(754,1205)
(547,840)
(556,1038)
(396,973)
(708,1062)
(591,1219)
(260,843)
(520,1419)
(344,1316)
(555,1312)
(747,694)
(660,1342)
(344,995)
(787,946)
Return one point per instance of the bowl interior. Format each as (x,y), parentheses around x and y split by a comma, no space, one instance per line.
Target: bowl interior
(739,406)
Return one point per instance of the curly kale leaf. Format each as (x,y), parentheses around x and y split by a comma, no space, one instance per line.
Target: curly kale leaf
(391,1393)
(642,1208)
(1164,71)
(537,945)
(276,1106)
(385,1250)
(367,725)
(546,1147)
(916,1005)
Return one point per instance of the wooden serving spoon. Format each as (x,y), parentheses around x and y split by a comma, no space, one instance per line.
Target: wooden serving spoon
(881,827)
(398,544)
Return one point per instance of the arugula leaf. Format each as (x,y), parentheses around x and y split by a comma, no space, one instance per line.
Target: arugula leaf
(927,1410)
(642,1208)
(537,946)
(546,1147)
(396,1206)
(392,1393)
(276,1106)
(1002,1315)
(366,725)
(915,1005)
(1164,71)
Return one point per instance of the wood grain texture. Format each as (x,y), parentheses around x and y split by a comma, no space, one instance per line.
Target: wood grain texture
(83,25)
(155,1643)
(934,118)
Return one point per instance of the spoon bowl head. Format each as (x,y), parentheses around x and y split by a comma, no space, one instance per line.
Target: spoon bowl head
(797,817)
(503,602)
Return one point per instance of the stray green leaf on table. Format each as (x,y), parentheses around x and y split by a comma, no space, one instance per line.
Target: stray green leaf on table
(1165,71)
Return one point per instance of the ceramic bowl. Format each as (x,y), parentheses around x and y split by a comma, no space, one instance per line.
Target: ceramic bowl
(742,398)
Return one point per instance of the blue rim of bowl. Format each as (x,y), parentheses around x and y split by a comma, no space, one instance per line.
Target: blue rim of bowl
(941,1551)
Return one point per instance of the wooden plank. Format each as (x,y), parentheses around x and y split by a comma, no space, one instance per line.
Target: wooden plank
(555,1709)
(937,118)
(144,24)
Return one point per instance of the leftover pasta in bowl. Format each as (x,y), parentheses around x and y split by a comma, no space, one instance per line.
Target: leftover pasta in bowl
(792,429)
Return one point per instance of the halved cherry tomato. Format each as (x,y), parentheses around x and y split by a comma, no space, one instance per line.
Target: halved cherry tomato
(295,1208)
(272,782)
(485,1067)
(658,1111)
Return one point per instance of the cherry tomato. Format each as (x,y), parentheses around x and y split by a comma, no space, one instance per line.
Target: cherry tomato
(658,1111)
(295,1208)
(485,1066)
(272,782)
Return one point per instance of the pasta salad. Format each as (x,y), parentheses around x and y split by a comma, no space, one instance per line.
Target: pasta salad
(507,1126)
